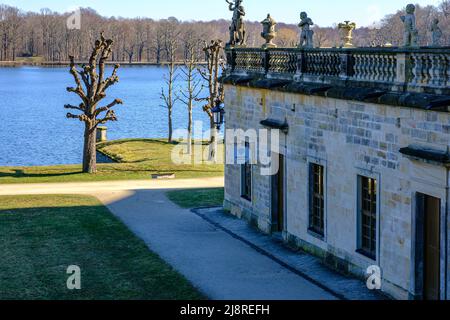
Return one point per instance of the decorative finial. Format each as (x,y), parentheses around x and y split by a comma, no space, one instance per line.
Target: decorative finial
(346,30)
(269,32)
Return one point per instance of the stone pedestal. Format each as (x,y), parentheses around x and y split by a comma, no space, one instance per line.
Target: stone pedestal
(101,134)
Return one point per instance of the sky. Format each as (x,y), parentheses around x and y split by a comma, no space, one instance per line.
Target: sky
(323,12)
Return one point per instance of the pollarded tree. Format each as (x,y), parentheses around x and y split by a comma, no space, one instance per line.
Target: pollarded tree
(91,87)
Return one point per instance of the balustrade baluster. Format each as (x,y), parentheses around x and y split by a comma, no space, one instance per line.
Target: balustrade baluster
(414,70)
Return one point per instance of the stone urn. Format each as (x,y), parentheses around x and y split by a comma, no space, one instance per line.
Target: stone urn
(269,32)
(346,30)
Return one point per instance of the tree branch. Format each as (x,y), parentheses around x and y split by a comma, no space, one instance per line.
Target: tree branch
(110,116)
(81,107)
(108,107)
(81,117)
(79,89)
(110,80)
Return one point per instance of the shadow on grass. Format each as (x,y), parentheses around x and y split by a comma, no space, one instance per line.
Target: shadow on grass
(18,173)
(141,161)
(162,142)
(160,170)
(124,141)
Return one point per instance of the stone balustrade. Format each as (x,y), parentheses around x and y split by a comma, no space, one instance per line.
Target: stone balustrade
(249,60)
(424,70)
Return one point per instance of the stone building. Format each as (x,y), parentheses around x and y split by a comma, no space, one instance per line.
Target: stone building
(364,158)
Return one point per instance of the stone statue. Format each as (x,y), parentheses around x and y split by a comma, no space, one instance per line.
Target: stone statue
(237,28)
(269,32)
(346,30)
(411,34)
(436,33)
(306,36)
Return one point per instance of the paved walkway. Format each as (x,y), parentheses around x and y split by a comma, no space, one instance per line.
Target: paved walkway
(107,186)
(303,264)
(221,266)
(218,264)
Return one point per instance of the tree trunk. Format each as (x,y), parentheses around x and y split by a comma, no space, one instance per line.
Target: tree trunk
(170,124)
(189,139)
(213,142)
(212,127)
(170,98)
(158,56)
(141,52)
(90,149)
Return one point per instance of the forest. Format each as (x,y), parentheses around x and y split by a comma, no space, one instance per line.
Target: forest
(45,34)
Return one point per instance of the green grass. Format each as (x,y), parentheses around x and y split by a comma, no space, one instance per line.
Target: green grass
(197,198)
(37,59)
(40,236)
(139,159)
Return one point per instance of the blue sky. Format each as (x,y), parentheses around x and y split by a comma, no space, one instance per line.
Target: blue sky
(323,12)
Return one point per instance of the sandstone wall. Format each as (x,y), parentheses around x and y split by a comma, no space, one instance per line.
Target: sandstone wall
(349,139)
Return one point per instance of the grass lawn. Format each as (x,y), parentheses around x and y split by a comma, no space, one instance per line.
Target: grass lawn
(40,236)
(38,59)
(197,198)
(138,159)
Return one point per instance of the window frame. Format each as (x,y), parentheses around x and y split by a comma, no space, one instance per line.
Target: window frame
(246,170)
(372,255)
(312,228)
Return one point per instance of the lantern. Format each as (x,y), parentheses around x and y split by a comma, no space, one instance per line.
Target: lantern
(218,114)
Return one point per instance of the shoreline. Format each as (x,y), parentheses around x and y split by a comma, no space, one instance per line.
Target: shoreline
(4,64)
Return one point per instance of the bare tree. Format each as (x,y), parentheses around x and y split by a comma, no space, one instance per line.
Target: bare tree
(169,97)
(171,33)
(10,22)
(140,38)
(158,44)
(91,94)
(191,92)
(129,45)
(319,37)
(211,73)
(445,7)
(44,33)
(287,37)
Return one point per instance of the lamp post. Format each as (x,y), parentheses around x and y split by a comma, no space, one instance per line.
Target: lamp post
(219,115)
(218,118)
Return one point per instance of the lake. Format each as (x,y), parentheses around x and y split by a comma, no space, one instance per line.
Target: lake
(33,125)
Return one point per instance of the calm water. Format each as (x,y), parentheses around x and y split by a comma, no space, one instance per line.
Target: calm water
(35,131)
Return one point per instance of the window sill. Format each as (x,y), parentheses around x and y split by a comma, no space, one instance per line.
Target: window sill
(316,235)
(366,255)
(246,199)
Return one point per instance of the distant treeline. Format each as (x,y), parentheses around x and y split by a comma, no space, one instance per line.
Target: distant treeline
(45,34)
